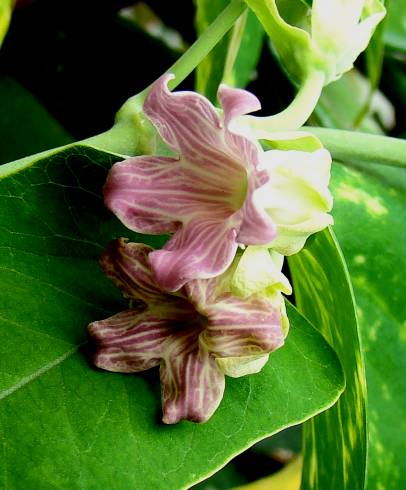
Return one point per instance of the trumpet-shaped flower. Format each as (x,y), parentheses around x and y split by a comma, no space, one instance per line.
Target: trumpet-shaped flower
(196,335)
(204,196)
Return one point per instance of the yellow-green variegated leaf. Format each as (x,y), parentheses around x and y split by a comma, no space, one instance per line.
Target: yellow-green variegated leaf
(370,215)
(335,442)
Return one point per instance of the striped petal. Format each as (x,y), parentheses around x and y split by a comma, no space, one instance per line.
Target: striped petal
(242,327)
(157,194)
(236,102)
(192,384)
(133,191)
(190,126)
(257,227)
(202,249)
(130,341)
(205,196)
(126,264)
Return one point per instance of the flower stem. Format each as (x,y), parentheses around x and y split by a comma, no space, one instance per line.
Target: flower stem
(362,148)
(295,115)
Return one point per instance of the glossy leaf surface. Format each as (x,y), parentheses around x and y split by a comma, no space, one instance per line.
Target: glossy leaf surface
(68,425)
(324,295)
(370,216)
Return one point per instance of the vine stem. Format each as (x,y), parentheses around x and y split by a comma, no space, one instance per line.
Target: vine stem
(363,148)
(194,55)
(295,115)
(127,135)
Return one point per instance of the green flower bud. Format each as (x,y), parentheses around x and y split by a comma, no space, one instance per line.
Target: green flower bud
(328,41)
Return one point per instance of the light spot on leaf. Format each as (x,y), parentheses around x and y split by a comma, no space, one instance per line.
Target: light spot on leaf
(373,205)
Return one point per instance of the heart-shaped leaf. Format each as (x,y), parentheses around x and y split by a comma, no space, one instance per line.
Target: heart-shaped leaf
(67,425)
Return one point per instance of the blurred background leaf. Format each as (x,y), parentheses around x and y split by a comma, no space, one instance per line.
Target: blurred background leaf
(235,58)
(6,7)
(25,125)
(395,28)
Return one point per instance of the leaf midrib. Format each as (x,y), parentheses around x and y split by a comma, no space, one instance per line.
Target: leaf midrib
(39,372)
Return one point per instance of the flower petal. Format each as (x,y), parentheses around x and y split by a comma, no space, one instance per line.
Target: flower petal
(236,102)
(192,384)
(297,197)
(242,327)
(188,123)
(126,264)
(257,270)
(202,249)
(137,192)
(130,341)
(257,227)
(241,366)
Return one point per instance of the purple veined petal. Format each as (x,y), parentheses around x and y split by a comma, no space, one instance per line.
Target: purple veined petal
(191,127)
(130,341)
(126,264)
(182,118)
(192,385)
(157,194)
(202,292)
(257,227)
(236,102)
(136,189)
(201,249)
(242,327)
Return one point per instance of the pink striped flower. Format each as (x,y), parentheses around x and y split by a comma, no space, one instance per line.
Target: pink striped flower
(204,196)
(196,335)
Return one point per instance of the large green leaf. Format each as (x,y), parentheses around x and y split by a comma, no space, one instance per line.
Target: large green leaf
(335,445)
(67,425)
(370,216)
(234,58)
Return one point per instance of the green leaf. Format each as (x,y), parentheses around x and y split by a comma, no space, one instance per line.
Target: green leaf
(395,31)
(343,101)
(370,216)
(335,442)
(235,57)
(67,425)
(25,126)
(5,17)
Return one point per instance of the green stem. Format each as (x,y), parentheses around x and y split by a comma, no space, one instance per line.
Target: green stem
(355,147)
(295,115)
(195,54)
(233,48)
(130,133)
